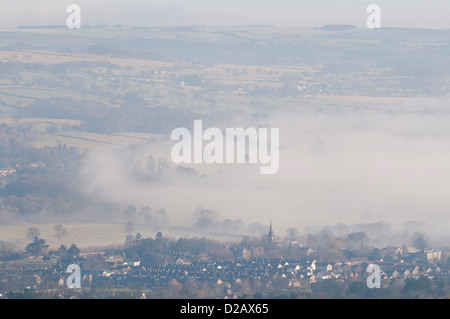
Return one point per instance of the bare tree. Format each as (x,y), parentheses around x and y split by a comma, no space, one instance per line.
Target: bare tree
(60,232)
(162,219)
(33,232)
(129,228)
(292,233)
(145,214)
(258,229)
(420,242)
(130,213)
(207,219)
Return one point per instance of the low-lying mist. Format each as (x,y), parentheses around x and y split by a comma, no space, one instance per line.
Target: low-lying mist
(388,164)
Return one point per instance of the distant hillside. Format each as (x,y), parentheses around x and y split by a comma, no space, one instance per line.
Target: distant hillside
(41,26)
(338,27)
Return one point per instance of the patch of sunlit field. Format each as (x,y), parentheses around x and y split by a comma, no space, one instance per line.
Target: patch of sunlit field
(91,141)
(95,237)
(85,236)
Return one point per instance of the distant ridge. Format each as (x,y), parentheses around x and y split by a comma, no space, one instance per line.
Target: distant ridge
(338,27)
(47,26)
(41,26)
(144,27)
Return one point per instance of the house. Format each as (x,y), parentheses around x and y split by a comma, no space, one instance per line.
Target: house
(322,276)
(246,254)
(6,171)
(180,262)
(433,254)
(323,266)
(359,260)
(116,259)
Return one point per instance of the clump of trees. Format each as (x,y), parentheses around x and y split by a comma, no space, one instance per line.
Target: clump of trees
(162,250)
(37,247)
(145,216)
(207,220)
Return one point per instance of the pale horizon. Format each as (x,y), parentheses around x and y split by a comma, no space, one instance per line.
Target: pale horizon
(286,13)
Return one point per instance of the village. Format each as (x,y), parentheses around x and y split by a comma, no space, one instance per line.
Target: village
(200,268)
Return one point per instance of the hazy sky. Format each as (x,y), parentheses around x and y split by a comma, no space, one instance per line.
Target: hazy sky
(303,13)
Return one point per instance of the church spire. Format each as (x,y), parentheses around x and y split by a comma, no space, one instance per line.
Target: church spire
(271,235)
